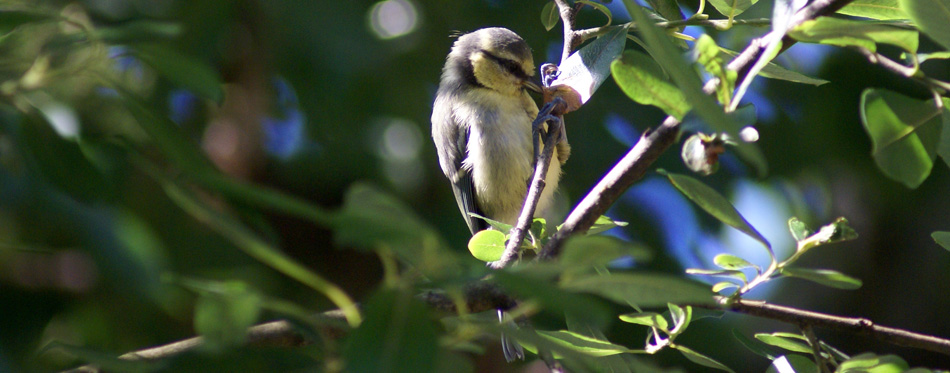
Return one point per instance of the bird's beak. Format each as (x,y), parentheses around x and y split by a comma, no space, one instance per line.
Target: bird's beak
(532,86)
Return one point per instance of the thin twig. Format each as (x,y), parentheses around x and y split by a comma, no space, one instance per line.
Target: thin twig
(820,360)
(634,164)
(520,229)
(853,325)
(719,24)
(905,71)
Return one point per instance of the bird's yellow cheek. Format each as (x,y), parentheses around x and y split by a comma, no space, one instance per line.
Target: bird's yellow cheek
(490,75)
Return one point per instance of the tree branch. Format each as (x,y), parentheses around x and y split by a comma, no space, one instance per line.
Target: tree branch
(634,164)
(852,325)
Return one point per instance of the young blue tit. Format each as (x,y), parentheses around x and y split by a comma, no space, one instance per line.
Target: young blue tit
(481,124)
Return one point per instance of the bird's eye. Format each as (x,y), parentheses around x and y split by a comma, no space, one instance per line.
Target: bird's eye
(511,66)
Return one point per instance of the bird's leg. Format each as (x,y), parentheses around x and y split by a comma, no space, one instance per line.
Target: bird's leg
(537,127)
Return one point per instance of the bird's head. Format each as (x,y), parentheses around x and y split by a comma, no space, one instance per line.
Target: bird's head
(496,58)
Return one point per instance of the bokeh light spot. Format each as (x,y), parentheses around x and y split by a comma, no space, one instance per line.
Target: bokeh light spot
(391,19)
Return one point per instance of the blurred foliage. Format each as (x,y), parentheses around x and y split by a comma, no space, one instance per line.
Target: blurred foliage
(173,168)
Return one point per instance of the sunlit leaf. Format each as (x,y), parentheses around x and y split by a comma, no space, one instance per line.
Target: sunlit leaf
(708,55)
(729,261)
(603,224)
(875,9)
(584,344)
(642,79)
(720,286)
(825,277)
(932,17)
(714,203)
(487,245)
(904,132)
(398,335)
(799,230)
(550,16)
(792,364)
(871,363)
(646,319)
(732,8)
(583,71)
(701,359)
(942,238)
(784,342)
(643,289)
(848,33)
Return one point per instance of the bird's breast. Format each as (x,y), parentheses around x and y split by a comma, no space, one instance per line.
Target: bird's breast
(500,152)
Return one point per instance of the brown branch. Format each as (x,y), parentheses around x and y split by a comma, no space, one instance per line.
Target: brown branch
(852,325)
(634,164)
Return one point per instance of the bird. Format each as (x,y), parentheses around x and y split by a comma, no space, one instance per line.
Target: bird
(482,127)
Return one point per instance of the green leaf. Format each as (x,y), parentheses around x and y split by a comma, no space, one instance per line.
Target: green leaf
(681,318)
(942,238)
(792,364)
(585,70)
(799,230)
(646,319)
(550,16)
(184,71)
(870,363)
(223,316)
(775,71)
(729,273)
(825,277)
(398,335)
(603,224)
(370,219)
(848,33)
(875,9)
(102,360)
(487,245)
(904,133)
(720,286)
(552,298)
(932,17)
(667,8)
(11,19)
(701,359)
(643,289)
(708,55)
(503,227)
(600,7)
(729,261)
(752,345)
(584,344)
(642,79)
(714,203)
(732,8)
(671,58)
(784,342)
(139,31)
(943,148)
(589,251)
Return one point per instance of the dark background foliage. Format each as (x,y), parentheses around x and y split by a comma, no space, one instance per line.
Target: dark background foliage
(84,243)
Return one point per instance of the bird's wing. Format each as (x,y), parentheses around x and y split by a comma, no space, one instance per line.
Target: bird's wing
(451,142)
